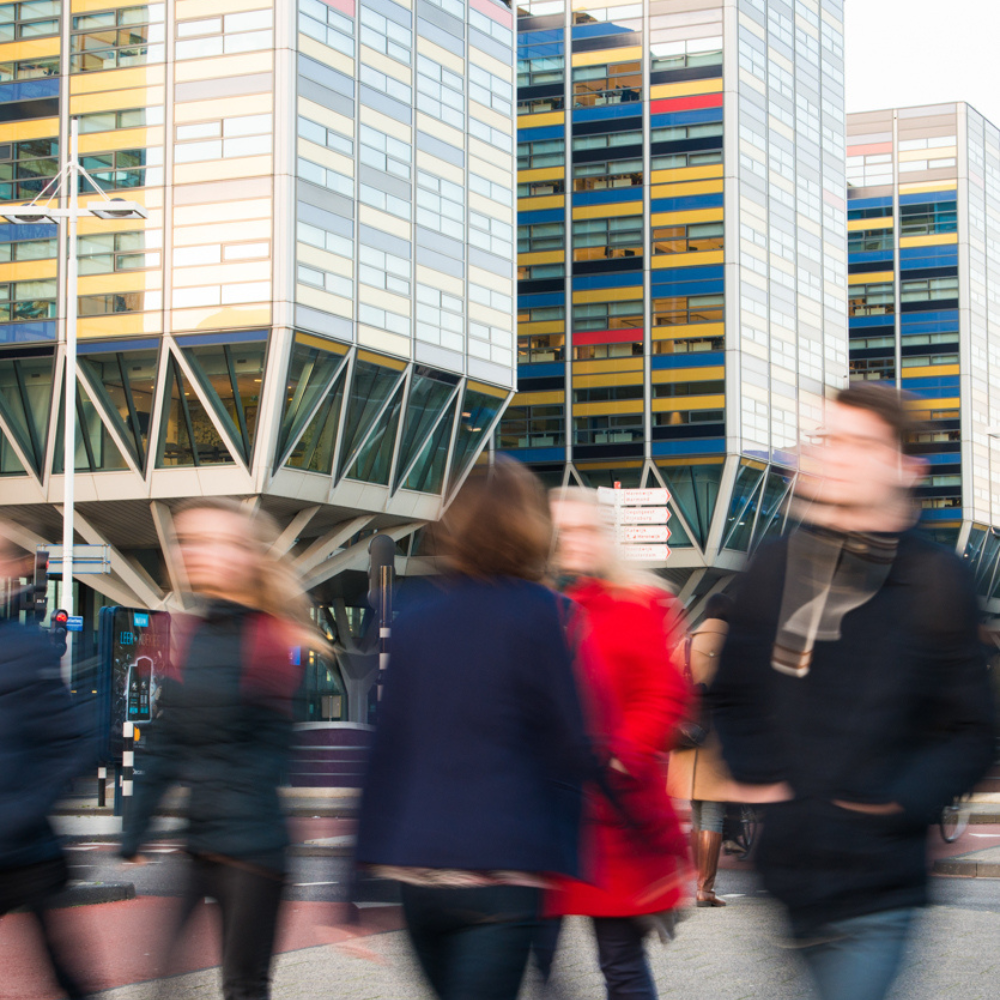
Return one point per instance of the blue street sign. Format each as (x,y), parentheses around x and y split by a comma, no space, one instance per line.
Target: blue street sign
(74,623)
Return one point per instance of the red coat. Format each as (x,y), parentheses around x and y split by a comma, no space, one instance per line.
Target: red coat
(637,695)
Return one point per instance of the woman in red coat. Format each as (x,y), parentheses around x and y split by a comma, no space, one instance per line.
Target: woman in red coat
(638,866)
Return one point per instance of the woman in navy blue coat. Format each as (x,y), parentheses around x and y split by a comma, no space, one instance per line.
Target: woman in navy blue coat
(474,787)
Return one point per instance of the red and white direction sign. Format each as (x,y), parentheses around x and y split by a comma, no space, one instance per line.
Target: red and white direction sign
(642,515)
(646,553)
(643,533)
(633,498)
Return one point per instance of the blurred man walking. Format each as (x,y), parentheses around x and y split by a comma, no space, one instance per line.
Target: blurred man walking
(854,692)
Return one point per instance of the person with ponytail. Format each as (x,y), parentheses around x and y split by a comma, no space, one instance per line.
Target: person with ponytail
(224,728)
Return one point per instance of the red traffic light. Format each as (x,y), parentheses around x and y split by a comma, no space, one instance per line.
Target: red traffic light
(60,617)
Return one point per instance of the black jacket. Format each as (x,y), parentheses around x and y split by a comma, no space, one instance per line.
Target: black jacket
(480,753)
(899,709)
(225,737)
(44,743)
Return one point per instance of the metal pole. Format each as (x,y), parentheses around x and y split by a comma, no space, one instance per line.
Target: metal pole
(102,787)
(128,767)
(69,426)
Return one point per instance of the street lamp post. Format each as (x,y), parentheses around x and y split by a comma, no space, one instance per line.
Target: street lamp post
(41,210)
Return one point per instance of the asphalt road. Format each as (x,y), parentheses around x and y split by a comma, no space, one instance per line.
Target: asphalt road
(735,953)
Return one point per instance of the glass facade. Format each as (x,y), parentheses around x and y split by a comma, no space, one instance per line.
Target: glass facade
(681,261)
(923,195)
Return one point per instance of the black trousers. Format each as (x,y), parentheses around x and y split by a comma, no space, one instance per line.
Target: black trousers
(248,899)
(472,944)
(622,958)
(32,887)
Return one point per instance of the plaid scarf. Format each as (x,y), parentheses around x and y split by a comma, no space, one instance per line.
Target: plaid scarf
(828,574)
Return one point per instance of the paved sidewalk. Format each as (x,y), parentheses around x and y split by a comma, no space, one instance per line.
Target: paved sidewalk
(730,954)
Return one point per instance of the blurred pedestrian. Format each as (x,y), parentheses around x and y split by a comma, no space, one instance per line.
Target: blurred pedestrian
(699,773)
(473,793)
(853,691)
(44,744)
(225,727)
(638,696)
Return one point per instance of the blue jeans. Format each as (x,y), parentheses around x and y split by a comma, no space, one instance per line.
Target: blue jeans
(472,944)
(858,958)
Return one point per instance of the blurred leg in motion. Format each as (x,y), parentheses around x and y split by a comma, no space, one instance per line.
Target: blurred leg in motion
(32,886)
(473,944)
(249,899)
(860,957)
(622,958)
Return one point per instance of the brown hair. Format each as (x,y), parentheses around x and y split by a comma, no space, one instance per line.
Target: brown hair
(498,525)
(889,405)
(275,588)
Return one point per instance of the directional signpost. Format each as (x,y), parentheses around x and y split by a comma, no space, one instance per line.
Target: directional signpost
(641,518)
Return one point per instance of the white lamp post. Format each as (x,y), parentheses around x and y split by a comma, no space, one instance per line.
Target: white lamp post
(37,211)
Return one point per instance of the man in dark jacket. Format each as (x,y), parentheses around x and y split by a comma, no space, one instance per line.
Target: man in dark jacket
(43,745)
(853,692)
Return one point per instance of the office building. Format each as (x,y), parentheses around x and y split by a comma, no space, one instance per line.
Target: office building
(681,254)
(924,252)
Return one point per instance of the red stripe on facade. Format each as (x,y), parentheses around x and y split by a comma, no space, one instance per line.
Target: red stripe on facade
(869,148)
(503,17)
(344,6)
(581,339)
(685,103)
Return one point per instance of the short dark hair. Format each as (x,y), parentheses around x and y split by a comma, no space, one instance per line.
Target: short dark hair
(889,404)
(498,525)
(719,606)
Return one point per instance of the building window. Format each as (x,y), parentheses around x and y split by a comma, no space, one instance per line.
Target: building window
(247,31)
(611,429)
(494,136)
(384,270)
(28,250)
(540,272)
(388,85)
(27,69)
(602,352)
(682,133)
(677,161)
(928,218)
(440,318)
(694,238)
(490,90)
(533,427)
(597,239)
(608,175)
(440,205)
(613,83)
(111,121)
(125,168)
(440,92)
(324,24)
(608,140)
(106,253)
(542,153)
(534,70)
(323,136)
(384,35)
(322,176)
(541,189)
(335,284)
(26,167)
(490,27)
(540,348)
(671,390)
(540,105)
(27,300)
(607,393)
(541,314)
(490,189)
(608,316)
(34,19)
(490,297)
(383,319)
(685,310)
(129,36)
(877,299)
(383,152)
(313,236)
(541,236)
(116,302)
(665,56)
(225,138)
(491,235)
(928,289)
(368,195)
(869,240)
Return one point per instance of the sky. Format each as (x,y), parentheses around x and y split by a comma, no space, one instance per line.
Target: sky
(902,53)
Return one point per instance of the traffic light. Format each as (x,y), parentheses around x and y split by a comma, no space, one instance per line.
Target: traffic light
(60,621)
